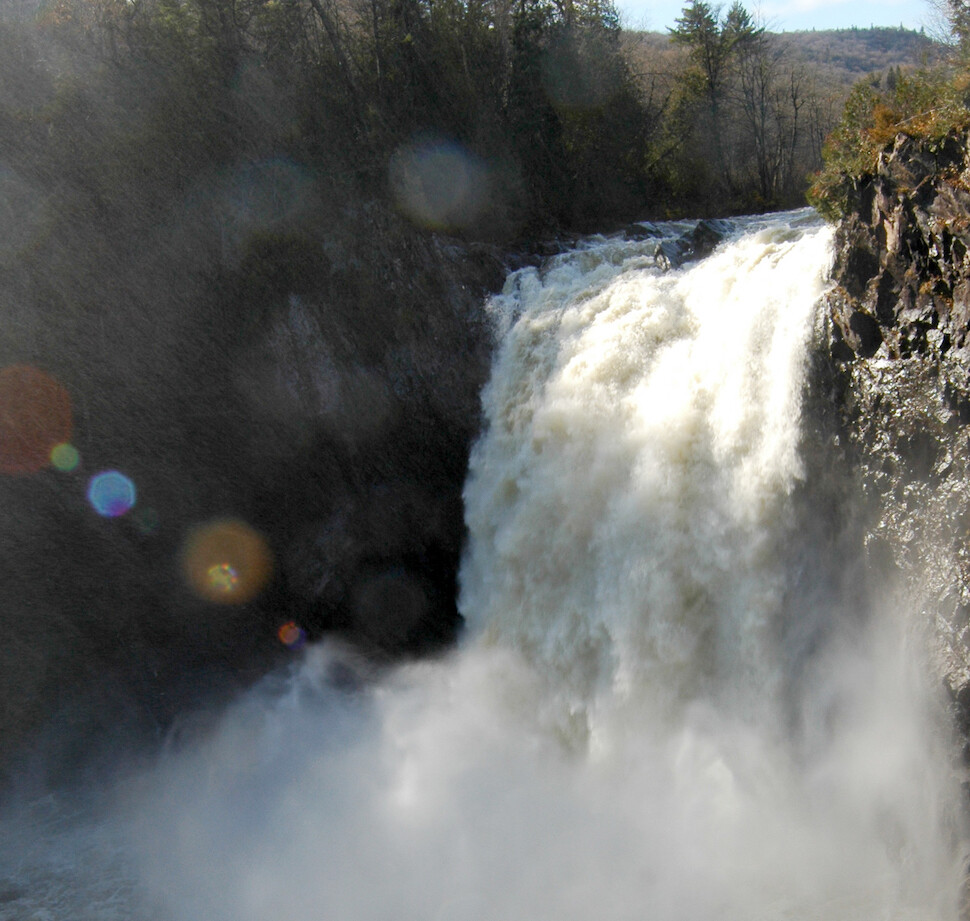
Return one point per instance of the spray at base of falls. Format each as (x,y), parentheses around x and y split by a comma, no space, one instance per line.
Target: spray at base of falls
(626,731)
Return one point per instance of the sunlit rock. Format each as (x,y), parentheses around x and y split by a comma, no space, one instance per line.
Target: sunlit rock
(899,324)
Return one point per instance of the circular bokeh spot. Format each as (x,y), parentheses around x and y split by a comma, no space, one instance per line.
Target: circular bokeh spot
(35,415)
(291,634)
(439,184)
(111,493)
(65,457)
(226,561)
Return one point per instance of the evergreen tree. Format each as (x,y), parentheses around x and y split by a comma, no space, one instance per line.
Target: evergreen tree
(714,45)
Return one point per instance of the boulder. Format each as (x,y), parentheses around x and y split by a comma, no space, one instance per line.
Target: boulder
(696,243)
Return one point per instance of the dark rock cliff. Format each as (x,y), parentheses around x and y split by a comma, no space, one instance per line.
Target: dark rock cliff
(315,377)
(899,343)
(902,267)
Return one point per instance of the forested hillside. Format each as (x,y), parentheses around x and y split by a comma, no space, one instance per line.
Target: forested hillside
(839,56)
(779,95)
(559,120)
(846,55)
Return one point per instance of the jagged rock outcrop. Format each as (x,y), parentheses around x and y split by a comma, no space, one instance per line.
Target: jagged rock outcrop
(899,315)
(903,253)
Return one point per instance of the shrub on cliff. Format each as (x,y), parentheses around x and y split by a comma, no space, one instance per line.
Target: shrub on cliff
(930,104)
(927,104)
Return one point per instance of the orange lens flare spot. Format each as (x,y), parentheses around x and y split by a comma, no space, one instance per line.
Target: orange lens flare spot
(226,562)
(290,634)
(35,416)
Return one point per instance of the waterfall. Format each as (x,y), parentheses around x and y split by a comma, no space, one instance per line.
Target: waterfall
(631,499)
(627,730)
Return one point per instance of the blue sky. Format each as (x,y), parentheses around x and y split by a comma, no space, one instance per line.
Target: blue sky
(787,15)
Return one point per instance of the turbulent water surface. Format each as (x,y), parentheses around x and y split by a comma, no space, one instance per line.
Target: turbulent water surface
(630,727)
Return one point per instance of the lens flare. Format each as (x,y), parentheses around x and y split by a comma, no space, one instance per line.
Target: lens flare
(226,562)
(222,578)
(111,493)
(291,634)
(35,415)
(65,457)
(439,184)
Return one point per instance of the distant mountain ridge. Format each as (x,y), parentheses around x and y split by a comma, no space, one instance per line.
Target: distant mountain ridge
(839,56)
(854,53)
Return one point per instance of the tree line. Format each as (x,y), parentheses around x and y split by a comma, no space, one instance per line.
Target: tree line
(752,117)
(538,101)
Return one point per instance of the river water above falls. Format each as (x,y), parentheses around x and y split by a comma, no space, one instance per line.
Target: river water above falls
(648,716)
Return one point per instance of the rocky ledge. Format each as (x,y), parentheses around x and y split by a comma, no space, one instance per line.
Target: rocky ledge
(899,345)
(903,253)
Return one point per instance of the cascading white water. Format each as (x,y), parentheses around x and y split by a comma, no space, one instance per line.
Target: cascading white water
(628,502)
(614,739)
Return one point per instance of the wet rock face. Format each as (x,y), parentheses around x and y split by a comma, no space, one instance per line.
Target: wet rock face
(910,448)
(899,316)
(903,254)
(694,244)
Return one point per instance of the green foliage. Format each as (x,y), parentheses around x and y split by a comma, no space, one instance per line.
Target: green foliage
(713,41)
(153,96)
(930,103)
(958,13)
(925,104)
(737,118)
